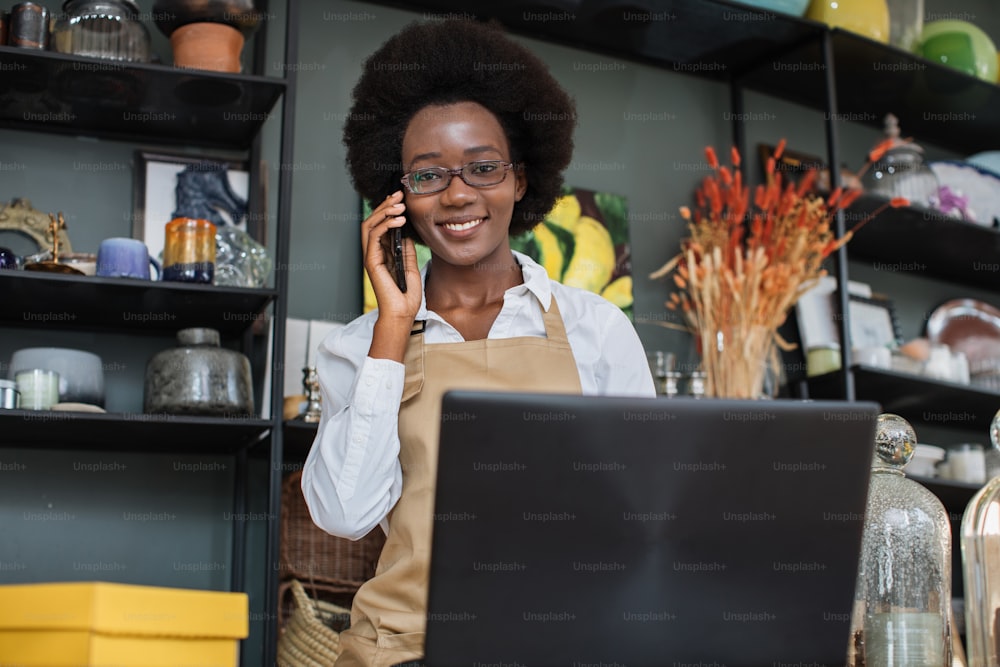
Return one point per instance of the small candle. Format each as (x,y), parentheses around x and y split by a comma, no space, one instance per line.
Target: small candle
(39,388)
(822,359)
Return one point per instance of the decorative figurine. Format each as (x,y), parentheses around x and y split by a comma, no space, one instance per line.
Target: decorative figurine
(314,406)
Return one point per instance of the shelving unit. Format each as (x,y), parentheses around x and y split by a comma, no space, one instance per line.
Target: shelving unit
(849,78)
(54,92)
(125,304)
(152,104)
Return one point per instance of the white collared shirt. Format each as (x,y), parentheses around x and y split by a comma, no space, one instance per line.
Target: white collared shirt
(352,476)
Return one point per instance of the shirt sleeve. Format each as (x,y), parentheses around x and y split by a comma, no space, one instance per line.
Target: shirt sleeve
(352,477)
(624,369)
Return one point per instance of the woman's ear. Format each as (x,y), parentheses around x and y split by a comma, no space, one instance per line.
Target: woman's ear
(520,182)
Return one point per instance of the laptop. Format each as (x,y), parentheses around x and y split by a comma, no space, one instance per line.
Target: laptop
(583,530)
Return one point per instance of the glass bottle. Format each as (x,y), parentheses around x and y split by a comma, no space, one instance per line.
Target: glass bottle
(901,171)
(902,612)
(906,21)
(981,563)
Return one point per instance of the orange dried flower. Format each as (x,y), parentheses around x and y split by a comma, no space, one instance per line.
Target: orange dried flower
(713,161)
(748,258)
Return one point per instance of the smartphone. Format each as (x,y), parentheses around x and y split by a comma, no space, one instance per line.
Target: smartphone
(395,257)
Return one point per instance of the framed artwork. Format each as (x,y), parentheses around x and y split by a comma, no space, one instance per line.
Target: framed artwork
(582,242)
(219,187)
(873,322)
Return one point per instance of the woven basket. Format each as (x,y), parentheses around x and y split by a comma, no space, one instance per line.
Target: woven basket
(311,554)
(309,638)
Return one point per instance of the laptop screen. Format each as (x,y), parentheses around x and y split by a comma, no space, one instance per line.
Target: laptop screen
(582,530)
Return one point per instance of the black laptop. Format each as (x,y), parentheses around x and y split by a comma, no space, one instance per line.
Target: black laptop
(575,531)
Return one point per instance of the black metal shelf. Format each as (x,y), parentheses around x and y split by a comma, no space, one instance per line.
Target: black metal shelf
(706,38)
(125,304)
(934,103)
(768,52)
(136,432)
(917,399)
(925,242)
(156,104)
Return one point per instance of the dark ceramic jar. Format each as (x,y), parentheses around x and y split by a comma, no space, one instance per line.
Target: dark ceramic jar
(199,378)
(172,14)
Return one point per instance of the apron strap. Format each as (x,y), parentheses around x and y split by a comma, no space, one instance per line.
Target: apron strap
(555,328)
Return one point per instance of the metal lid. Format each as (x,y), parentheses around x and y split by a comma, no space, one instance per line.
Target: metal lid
(8,384)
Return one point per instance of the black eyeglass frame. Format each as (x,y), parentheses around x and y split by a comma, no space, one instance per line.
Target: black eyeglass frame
(460,172)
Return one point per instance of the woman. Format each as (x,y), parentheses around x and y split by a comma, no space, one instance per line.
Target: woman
(460,135)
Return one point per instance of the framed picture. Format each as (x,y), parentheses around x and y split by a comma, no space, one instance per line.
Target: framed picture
(873,322)
(219,187)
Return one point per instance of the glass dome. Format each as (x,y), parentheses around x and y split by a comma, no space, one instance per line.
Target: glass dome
(902,613)
(901,171)
(981,562)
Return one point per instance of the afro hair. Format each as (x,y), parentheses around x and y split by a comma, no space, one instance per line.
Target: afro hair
(458,60)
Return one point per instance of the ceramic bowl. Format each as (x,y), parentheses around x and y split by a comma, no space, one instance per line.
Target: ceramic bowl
(925,460)
(81,373)
(987,160)
(960,45)
(84,262)
(793,7)
(869,18)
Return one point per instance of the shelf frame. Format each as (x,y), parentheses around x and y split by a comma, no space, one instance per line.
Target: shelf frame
(148,103)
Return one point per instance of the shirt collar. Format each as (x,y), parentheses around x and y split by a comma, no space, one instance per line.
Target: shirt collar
(536,281)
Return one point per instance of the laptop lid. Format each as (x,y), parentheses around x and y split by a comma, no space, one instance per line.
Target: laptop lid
(583,530)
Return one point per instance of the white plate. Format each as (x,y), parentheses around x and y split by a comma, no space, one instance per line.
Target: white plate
(981,186)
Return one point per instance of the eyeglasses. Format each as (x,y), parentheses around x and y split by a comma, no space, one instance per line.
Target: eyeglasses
(479,174)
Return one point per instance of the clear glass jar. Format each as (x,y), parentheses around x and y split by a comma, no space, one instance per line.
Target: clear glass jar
(108,29)
(981,567)
(902,612)
(906,21)
(901,171)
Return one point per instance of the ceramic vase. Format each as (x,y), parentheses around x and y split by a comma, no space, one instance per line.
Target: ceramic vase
(206,34)
(199,378)
(869,18)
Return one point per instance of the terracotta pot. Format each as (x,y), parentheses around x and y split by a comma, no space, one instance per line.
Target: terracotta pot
(210,46)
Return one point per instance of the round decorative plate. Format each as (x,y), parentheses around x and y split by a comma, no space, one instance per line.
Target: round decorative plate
(968,326)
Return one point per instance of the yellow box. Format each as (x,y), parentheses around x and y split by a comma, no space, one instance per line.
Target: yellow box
(99,624)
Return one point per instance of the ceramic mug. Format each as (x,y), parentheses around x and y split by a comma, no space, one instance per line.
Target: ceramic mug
(125,258)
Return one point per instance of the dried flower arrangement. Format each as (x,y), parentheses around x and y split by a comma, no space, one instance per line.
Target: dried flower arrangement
(743,267)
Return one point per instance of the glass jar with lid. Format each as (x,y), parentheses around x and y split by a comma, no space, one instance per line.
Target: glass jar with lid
(901,171)
(902,612)
(981,567)
(108,29)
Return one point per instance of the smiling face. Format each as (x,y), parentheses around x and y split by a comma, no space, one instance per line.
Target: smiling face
(462,225)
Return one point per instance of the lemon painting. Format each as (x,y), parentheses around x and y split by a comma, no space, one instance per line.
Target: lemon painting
(582,242)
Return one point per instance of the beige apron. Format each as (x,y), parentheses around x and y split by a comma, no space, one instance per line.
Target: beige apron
(389,614)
